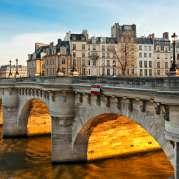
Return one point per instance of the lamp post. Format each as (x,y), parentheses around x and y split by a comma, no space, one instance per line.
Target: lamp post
(173,65)
(17,70)
(10,66)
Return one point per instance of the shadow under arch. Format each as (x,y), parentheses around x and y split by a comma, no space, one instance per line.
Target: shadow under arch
(81,142)
(32,115)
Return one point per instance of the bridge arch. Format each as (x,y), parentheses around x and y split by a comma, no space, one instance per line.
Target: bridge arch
(88,118)
(35,109)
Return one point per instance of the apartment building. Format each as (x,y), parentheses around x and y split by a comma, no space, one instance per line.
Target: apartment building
(58,63)
(35,63)
(101,61)
(78,50)
(162,55)
(145,56)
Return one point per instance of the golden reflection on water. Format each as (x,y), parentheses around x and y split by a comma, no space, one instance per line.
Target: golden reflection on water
(30,159)
(39,121)
(119,137)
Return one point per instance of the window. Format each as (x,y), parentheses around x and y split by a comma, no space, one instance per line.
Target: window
(140,47)
(108,55)
(158,72)
(145,55)
(94,62)
(108,63)
(150,48)
(150,64)
(89,72)
(150,55)
(103,55)
(166,65)
(83,46)
(141,72)
(132,71)
(166,56)
(140,64)
(84,71)
(108,72)
(140,55)
(88,62)
(94,47)
(145,72)
(83,55)
(63,60)
(158,64)
(150,72)
(145,48)
(145,64)
(74,46)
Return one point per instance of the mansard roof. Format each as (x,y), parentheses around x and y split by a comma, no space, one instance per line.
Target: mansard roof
(78,37)
(145,40)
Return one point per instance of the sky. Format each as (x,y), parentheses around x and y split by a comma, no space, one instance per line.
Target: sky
(24,22)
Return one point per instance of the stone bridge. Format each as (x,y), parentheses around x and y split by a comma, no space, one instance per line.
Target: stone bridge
(153,103)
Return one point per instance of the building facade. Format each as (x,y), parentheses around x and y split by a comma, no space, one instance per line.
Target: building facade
(59,62)
(35,62)
(162,56)
(145,57)
(20,71)
(122,54)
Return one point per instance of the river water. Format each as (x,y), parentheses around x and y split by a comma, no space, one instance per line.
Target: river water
(30,159)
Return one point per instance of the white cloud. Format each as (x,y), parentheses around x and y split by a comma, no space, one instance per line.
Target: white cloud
(21,45)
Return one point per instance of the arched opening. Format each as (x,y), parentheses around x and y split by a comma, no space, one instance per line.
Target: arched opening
(112,135)
(39,121)
(35,118)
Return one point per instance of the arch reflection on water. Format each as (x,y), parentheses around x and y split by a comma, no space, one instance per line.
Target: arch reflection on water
(110,135)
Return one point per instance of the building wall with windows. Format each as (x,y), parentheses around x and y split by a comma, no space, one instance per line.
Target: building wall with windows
(58,63)
(145,62)
(35,61)
(101,61)
(5,70)
(162,56)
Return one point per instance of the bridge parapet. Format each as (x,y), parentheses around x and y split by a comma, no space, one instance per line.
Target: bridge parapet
(160,83)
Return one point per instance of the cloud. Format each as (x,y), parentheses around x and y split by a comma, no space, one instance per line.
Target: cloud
(21,45)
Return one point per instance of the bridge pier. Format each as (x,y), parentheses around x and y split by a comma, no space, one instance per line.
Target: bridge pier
(172,134)
(10,105)
(62,151)
(10,126)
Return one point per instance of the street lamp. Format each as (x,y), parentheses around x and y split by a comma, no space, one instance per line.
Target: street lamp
(17,72)
(173,66)
(10,70)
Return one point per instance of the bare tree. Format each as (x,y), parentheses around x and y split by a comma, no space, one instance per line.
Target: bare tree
(120,54)
(125,55)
